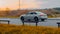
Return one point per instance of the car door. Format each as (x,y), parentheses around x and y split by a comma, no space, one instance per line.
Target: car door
(28,15)
(32,15)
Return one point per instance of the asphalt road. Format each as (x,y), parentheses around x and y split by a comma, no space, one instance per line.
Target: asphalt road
(48,22)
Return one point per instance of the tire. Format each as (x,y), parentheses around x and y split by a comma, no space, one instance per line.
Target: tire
(36,19)
(22,19)
(42,19)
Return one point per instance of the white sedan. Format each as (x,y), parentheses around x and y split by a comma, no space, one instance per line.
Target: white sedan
(33,16)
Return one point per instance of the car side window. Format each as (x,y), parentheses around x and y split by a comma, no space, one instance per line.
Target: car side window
(35,13)
(32,13)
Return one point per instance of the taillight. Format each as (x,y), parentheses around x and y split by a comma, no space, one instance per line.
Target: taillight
(41,14)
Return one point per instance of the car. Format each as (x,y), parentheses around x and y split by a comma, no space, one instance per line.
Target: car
(35,16)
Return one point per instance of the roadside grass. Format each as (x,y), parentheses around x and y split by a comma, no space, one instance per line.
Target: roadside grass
(14,29)
(9,17)
(19,17)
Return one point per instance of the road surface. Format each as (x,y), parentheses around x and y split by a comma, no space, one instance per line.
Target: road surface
(49,22)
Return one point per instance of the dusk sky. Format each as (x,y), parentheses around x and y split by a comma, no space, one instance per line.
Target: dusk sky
(29,4)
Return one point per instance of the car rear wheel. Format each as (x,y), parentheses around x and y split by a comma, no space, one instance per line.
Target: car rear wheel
(42,19)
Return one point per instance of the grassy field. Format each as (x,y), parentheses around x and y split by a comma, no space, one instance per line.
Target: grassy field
(14,29)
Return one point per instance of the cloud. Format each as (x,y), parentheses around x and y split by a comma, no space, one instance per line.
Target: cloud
(29,4)
(13,4)
(50,4)
(24,4)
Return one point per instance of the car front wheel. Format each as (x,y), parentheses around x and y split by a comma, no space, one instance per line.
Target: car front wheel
(22,18)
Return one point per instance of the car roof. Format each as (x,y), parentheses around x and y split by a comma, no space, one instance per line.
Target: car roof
(35,11)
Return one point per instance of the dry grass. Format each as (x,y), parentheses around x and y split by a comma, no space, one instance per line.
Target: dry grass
(13,29)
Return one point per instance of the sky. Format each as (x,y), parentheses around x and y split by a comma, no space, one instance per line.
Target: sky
(29,4)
